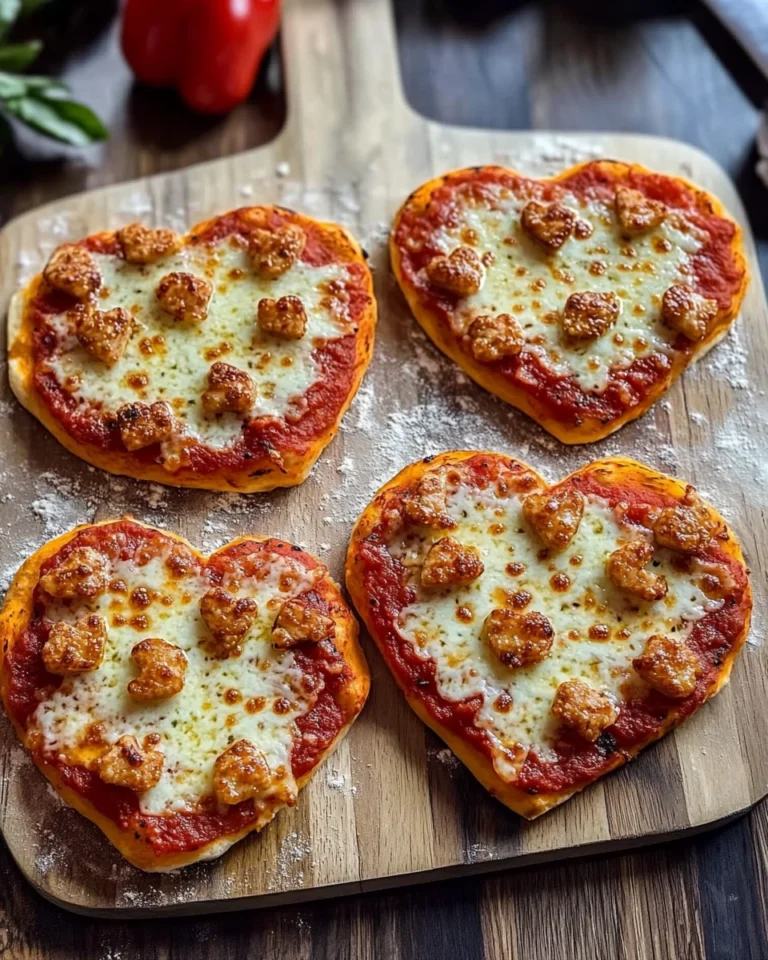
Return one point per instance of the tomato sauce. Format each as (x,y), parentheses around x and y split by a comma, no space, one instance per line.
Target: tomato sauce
(718,272)
(386,583)
(175,833)
(29,683)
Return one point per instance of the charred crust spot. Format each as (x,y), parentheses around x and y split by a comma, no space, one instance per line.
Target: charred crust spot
(606,743)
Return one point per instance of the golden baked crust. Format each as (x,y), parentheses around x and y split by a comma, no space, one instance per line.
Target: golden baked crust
(14,620)
(615,473)
(578,425)
(278,467)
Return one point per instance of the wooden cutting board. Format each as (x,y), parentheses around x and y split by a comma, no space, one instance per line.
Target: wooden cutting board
(392,806)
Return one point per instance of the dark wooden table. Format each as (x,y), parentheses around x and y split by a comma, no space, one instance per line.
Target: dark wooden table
(585,66)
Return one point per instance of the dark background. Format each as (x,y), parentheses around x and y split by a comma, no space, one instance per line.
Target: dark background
(652,67)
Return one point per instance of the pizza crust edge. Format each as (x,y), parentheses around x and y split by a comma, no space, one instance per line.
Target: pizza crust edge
(13,619)
(617,470)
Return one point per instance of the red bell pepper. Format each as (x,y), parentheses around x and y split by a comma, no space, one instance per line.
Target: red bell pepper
(210,50)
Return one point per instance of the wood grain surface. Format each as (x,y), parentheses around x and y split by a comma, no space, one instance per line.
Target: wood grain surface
(690,899)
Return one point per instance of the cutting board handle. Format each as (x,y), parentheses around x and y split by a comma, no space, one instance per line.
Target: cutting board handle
(343,81)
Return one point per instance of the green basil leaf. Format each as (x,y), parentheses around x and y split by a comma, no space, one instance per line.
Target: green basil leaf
(12,86)
(46,87)
(81,116)
(18,56)
(64,120)
(9,11)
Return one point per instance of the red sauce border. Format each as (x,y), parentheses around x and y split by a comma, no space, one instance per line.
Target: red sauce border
(264,439)
(578,762)
(718,273)
(29,683)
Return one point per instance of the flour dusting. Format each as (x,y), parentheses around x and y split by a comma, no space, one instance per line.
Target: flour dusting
(293,860)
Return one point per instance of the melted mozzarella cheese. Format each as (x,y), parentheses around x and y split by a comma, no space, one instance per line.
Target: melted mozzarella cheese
(465,666)
(533,285)
(197,724)
(169,360)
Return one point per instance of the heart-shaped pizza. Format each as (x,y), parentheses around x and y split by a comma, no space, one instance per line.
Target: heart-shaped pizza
(224,359)
(578,299)
(177,701)
(548,633)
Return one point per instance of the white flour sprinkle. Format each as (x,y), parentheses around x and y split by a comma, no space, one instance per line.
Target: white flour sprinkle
(730,365)
(294,857)
(478,852)
(447,758)
(136,206)
(42,505)
(544,155)
(27,265)
(342,783)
